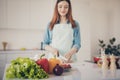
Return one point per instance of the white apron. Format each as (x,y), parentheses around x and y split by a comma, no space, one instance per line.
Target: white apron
(62,38)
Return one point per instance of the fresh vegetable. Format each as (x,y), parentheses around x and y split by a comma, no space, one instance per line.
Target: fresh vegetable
(43,63)
(58,70)
(66,67)
(52,63)
(25,68)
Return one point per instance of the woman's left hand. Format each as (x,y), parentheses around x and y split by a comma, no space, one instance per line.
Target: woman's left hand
(70,53)
(68,56)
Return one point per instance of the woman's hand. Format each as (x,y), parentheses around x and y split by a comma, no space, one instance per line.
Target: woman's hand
(70,53)
(52,50)
(68,56)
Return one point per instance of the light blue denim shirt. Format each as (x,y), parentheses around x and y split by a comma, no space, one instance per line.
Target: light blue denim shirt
(76,35)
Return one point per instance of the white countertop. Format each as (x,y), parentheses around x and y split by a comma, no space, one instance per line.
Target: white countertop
(90,71)
(86,71)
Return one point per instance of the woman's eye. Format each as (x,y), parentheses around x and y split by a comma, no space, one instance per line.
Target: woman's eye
(60,6)
(66,7)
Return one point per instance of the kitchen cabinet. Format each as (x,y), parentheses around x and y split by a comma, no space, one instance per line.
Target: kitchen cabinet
(7,56)
(3,13)
(2,59)
(25,14)
(2,64)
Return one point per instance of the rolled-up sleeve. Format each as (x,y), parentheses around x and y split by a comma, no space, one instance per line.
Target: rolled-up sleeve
(47,37)
(77,37)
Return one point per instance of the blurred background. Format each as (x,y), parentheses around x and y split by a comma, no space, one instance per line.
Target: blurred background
(23,22)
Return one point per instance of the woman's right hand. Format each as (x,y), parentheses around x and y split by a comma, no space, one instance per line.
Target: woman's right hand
(52,50)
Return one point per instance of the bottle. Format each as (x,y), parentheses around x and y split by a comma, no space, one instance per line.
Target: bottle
(105,62)
(104,65)
(113,65)
(112,62)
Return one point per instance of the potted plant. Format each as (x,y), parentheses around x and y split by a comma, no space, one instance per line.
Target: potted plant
(110,48)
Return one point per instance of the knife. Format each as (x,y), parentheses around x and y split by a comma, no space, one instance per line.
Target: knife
(89,61)
(62,57)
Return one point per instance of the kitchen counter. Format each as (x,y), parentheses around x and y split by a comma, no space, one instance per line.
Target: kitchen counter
(21,51)
(90,71)
(86,71)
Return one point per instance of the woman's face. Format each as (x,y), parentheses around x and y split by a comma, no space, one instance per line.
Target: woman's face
(63,8)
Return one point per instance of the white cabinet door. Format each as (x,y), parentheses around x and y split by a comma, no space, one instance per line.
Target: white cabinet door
(3,13)
(18,13)
(2,59)
(25,14)
(2,64)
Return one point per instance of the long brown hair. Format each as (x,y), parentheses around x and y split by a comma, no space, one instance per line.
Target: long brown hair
(56,15)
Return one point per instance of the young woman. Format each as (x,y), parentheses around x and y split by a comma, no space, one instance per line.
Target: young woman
(62,36)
